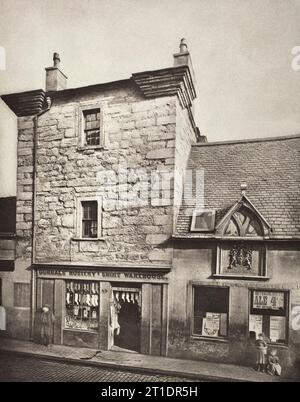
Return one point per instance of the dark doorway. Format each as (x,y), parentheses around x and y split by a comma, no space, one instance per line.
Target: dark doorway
(129,320)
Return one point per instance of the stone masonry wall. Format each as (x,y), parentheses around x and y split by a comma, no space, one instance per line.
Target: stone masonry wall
(137,131)
(24,187)
(185,137)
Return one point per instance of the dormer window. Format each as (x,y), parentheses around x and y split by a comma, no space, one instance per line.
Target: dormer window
(203,220)
(243,223)
(240,252)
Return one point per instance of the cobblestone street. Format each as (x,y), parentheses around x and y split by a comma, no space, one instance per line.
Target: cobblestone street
(16,368)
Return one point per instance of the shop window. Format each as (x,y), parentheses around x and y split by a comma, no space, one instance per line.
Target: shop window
(82,305)
(203,221)
(268,315)
(211,309)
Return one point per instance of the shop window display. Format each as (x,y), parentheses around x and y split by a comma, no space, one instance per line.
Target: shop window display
(82,305)
(268,315)
(211,308)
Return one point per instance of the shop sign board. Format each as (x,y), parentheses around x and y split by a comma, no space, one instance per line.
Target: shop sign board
(102,275)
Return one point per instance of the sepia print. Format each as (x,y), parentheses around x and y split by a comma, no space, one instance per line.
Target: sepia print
(149,192)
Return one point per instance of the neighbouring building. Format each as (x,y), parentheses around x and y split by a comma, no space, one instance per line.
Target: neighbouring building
(140,234)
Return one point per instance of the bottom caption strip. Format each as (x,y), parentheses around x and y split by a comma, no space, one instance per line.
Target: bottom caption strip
(148,391)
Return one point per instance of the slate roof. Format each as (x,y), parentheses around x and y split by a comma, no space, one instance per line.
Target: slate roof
(271,169)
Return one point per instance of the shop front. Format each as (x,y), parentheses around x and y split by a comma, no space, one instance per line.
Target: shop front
(105,309)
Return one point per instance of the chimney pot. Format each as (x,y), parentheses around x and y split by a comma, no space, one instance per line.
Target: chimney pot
(55,78)
(183,58)
(183,46)
(56,60)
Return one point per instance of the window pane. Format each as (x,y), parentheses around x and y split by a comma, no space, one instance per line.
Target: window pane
(268,302)
(89,229)
(8,215)
(268,315)
(92,126)
(93,137)
(211,299)
(211,306)
(89,219)
(82,305)
(89,209)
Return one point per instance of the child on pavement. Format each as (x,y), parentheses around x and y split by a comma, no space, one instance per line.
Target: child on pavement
(261,348)
(274,367)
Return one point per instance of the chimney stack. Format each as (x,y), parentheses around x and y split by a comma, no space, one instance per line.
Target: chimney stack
(183,58)
(55,78)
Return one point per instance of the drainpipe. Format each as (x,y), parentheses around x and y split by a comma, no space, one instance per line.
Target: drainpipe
(33,237)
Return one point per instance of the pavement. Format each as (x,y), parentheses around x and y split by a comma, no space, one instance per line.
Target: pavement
(120,360)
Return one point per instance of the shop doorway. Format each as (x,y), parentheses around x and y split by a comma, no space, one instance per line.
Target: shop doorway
(126,319)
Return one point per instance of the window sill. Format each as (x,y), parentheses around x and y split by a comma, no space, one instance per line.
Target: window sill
(7,235)
(89,147)
(237,276)
(88,239)
(90,331)
(210,339)
(283,346)
(278,345)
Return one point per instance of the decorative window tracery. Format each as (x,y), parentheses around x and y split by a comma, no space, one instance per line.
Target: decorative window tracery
(243,223)
(238,256)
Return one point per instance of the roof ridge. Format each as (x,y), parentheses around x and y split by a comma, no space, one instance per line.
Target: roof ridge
(248,140)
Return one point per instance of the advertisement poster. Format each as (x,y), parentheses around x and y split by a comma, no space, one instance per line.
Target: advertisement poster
(255,324)
(277,328)
(268,300)
(211,324)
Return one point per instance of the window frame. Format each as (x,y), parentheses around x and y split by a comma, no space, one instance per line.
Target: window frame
(287,299)
(79,218)
(92,219)
(193,335)
(81,125)
(194,217)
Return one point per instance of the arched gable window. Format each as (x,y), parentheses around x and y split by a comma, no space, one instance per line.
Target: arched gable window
(240,250)
(243,223)
(243,220)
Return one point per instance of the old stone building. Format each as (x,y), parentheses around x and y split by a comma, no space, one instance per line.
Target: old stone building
(139,233)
